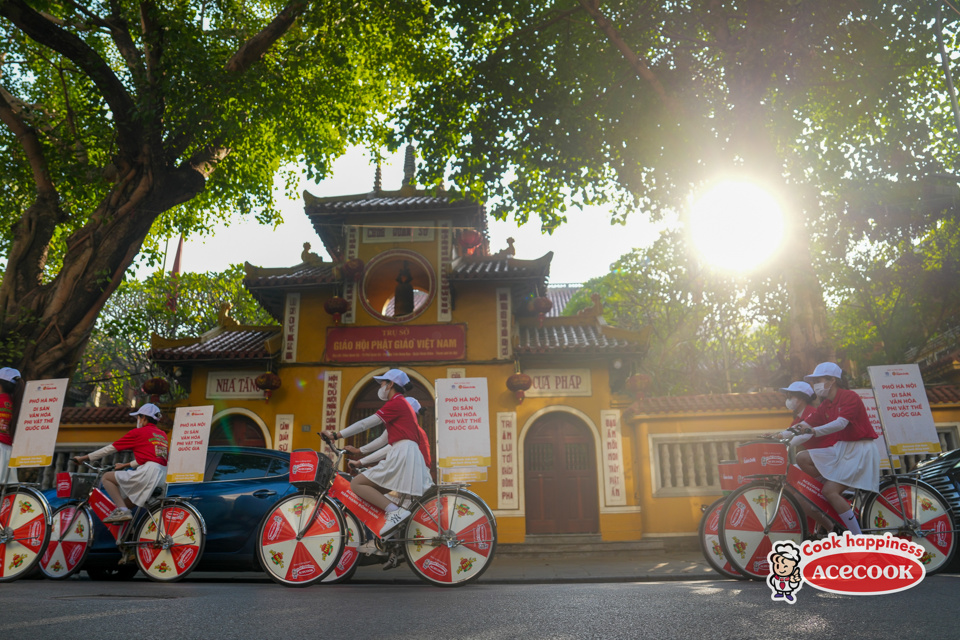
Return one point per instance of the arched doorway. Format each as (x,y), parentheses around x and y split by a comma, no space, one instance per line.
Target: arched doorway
(236,430)
(560,476)
(366,403)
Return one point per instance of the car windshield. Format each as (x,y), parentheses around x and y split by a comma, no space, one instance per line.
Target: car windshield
(239,466)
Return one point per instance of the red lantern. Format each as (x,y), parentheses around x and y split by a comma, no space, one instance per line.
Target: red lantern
(469,240)
(336,306)
(155,387)
(541,306)
(352,269)
(268,383)
(518,383)
(638,384)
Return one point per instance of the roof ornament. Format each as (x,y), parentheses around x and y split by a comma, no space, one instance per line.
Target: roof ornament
(509,252)
(223,317)
(309,257)
(378,178)
(409,171)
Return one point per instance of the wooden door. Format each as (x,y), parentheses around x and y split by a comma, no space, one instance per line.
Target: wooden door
(560,477)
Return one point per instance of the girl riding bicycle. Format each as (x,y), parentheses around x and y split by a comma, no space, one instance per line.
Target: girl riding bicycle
(404,470)
(843,450)
(132,483)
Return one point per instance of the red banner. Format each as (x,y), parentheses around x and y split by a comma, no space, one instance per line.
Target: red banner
(414,343)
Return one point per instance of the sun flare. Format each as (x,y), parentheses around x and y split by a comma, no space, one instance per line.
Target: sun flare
(736,226)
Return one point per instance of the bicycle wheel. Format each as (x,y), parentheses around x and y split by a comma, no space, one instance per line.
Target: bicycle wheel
(67,548)
(924,517)
(349,560)
(749,526)
(709,536)
(24,532)
(450,538)
(298,561)
(170,541)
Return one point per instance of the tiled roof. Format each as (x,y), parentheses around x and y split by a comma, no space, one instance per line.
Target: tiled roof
(752,401)
(295,276)
(578,338)
(96,415)
(560,295)
(374,203)
(230,344)
(495,268)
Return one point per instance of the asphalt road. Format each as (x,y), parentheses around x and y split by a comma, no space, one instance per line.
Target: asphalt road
(711,609)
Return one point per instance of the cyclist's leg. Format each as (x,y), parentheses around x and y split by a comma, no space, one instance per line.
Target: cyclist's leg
(370,492)
(112,487)
(833,491)
(806,464)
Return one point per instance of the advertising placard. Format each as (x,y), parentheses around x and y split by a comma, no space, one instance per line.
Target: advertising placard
(904,409)
(463,423)
(871,404)
(188,444)
(39,421)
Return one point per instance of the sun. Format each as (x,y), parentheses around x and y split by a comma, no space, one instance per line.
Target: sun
(736,226)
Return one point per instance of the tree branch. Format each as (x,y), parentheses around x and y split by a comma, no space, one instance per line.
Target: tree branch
(592,7)
(69,45)
(30,143)
(254,48)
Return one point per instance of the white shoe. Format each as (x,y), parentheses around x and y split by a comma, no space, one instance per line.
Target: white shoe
(118,515)
(394,518)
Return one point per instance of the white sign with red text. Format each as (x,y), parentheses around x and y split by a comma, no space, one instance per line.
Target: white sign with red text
(509,497)
(283,432)
(463,423)
(871,404)
(188,444)
(39,421)
(238,385)
(904,409)
(614,480)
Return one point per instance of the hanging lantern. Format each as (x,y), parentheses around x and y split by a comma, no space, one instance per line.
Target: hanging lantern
(518,383)
(541,306)
(268,383)
(638,384)
(336,306)
(469,240)
(352,269)
(155,387)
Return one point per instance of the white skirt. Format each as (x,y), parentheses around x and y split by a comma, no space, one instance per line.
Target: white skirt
(5,452)
(403,470)
(138,484)
(852,464)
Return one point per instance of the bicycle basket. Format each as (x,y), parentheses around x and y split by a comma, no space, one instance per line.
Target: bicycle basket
(76,486)
(310,470)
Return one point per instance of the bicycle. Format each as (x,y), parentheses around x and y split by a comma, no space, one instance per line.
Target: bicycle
(767,510)
(165,537)
(449,540)
(24,529)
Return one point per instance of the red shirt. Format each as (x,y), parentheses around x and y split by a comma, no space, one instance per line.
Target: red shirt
(814,443)
(6,419)
(401,423)
(847,404)
(148,442)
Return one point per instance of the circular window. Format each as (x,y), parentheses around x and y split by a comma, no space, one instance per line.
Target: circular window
(398,285)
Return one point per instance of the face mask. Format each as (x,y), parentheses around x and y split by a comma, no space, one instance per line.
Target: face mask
(383,393)
(821,389)
(792,405)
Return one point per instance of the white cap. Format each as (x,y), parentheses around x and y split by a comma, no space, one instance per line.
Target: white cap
(414,403)
(396,376)
(9,374)
(149,410)
(798,387)
(825,369)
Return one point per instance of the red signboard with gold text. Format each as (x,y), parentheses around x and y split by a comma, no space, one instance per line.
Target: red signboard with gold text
(397,344)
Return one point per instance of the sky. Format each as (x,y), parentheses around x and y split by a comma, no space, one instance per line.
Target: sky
(583,248)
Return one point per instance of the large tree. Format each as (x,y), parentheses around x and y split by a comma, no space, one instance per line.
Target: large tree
(835,105)
(124,122)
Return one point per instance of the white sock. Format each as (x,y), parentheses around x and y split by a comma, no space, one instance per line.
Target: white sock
(850,522)
(391,508)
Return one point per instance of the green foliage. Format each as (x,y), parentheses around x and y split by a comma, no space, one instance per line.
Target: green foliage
(183,306)
(711,333)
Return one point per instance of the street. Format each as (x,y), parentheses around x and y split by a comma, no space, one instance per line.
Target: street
(234,609)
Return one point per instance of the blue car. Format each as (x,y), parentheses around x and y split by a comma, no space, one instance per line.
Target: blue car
(239,486)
